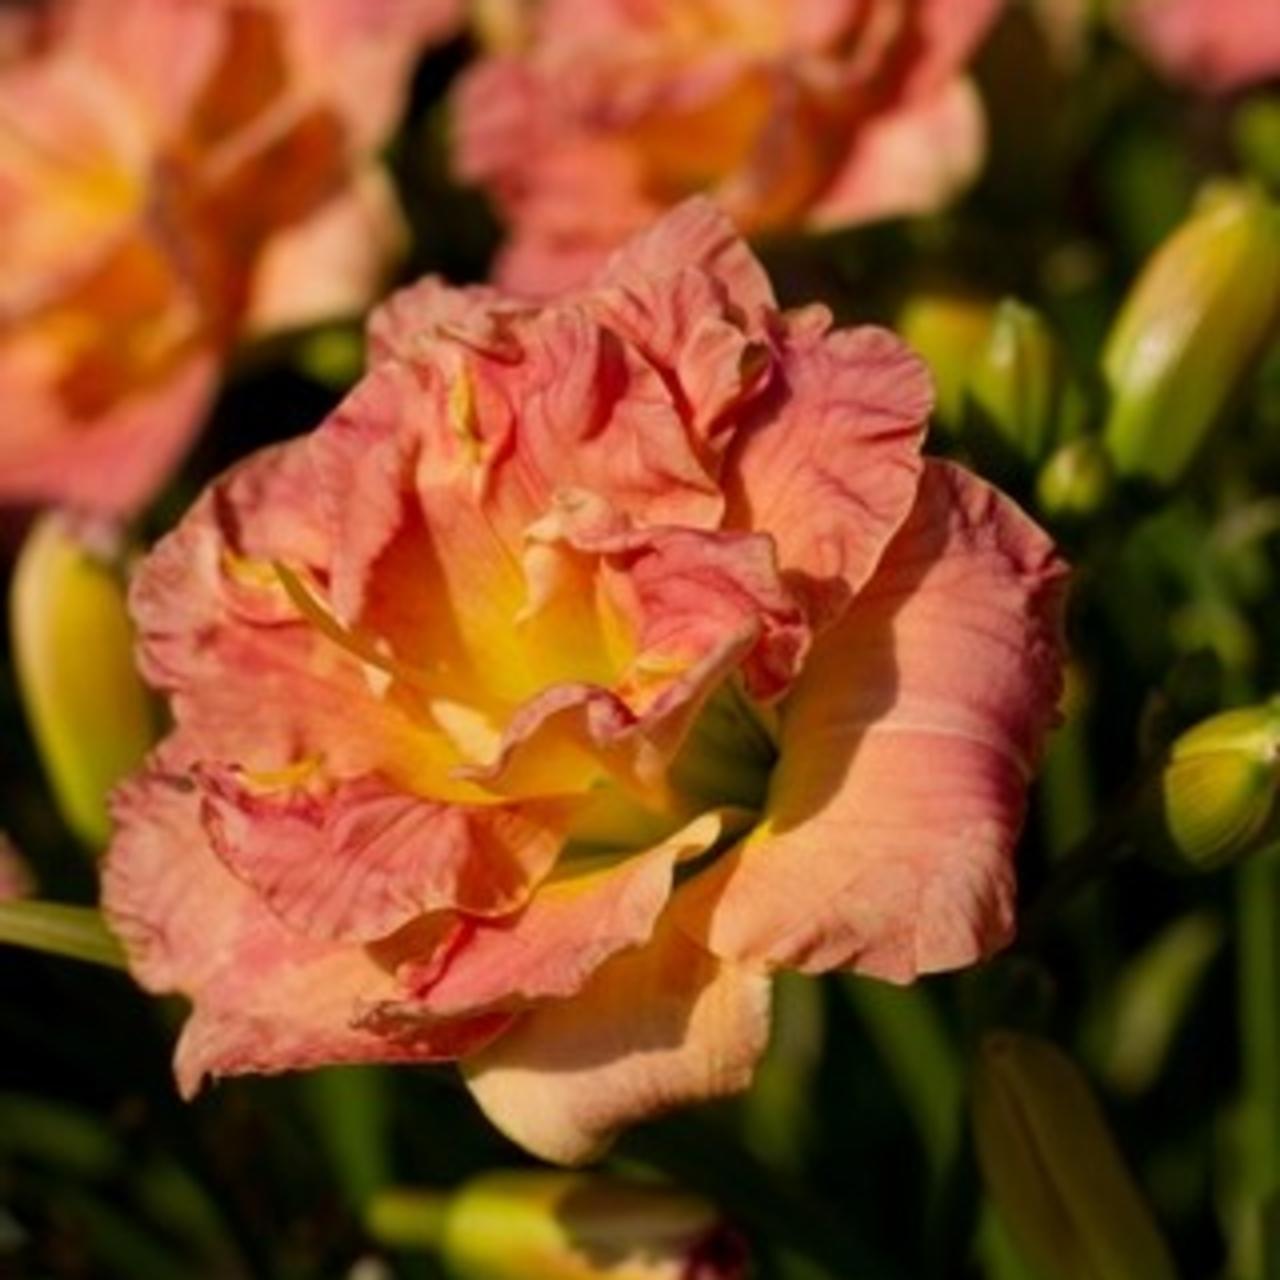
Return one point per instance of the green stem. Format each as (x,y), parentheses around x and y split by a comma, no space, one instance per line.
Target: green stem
(910,1037)
(61,930)
(1259,977)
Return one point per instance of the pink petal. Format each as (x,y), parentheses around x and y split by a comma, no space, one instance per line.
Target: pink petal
(333,263)
(909,160)
(1212,45)
(829,460)
(361,53)
(695,234)
(699,607)
(906,750)
(355,861)
(413,319)
(113,464)
(949,34)
(265,999)
(161,51)
(653,1030)
(250,680)
(66,127)
(685,324)
(591,909)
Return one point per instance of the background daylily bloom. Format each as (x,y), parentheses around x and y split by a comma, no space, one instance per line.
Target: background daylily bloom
(588,664)
(1214,46)
(174,175)
(589,117)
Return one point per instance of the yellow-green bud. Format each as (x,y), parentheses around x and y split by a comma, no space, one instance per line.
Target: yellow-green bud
(1198,316)
(73,648)
(948,330)
(1020,399)
(573,1226)
(1076,481)
(1053,1170)
(1214,800)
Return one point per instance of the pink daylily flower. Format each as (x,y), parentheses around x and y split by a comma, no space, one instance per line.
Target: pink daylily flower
(176,175)
(588,118)
(589,664)
(1214,46)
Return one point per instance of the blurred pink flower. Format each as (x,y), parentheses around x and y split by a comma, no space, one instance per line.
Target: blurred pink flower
(589,117)
(590,663)
(1211,45)
(174,175)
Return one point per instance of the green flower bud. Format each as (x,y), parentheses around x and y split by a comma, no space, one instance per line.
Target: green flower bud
(1199,314)
(1214,799)
(1076,481)
(948,330)
(572,1226)
(1053,1170)
(73,648)
(1020,397)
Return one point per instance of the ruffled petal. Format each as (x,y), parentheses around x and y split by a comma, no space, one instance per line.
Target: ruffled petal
(264,998)
(654,1029)
(695,234)
(686,326)
(591,909)
(696,606)
(906,749)
(829,460)
(250,678)
(357,860)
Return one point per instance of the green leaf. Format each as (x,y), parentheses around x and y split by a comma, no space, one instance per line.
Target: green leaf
(60,929)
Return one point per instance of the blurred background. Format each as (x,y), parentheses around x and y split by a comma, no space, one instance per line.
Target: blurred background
(853,1155)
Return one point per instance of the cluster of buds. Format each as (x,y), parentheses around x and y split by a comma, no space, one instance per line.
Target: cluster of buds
(1200,314)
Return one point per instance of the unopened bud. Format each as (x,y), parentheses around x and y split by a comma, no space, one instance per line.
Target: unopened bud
(1076,481)
(1020,397)
(570,1226)
(73,648)
(1053,1170)
(1198,316)
(948,330)
(1214,799)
